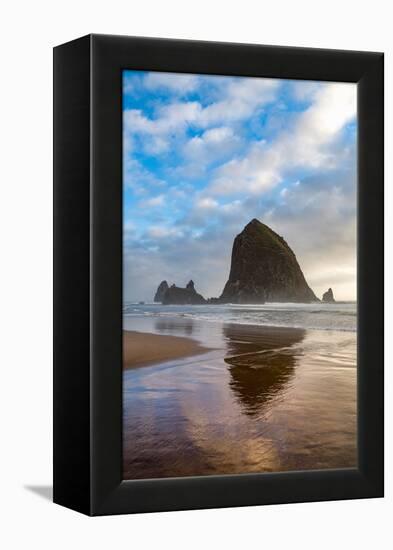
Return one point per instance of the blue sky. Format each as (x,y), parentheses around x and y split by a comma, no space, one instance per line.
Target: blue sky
(203,155)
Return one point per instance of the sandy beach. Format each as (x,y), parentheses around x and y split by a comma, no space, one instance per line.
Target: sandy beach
(259,399)
(143,348)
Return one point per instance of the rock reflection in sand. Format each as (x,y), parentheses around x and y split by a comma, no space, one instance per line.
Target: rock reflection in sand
(182,325)
(261,363)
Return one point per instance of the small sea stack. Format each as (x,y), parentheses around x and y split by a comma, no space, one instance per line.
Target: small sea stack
(175,295)
(328,297)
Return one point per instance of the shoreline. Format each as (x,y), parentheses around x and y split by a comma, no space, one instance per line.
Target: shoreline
(147,348)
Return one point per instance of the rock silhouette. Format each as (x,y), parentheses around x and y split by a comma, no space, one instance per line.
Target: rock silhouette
(175,295)
(328,296)
(162,288)
(261,363)
(264,269)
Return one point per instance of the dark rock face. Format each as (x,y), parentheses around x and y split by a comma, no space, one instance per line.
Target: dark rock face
(162,288)
(175,295)
(264,269)
(190,286)
(328,296)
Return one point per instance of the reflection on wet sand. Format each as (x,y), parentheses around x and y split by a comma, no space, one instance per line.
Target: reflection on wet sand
(181,325)
(260,364)
(265,399)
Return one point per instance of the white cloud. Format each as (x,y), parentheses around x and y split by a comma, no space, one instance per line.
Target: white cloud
(207,209)
(177,83)
(239,99)
(161,232)
(212,145)
(206,203)
(304,145)
(171,117)
(156,145)
(129,227)
(137,177)
(233,207)
(253,173)
(217,135)
(153,201)
(211,137)
(304,90)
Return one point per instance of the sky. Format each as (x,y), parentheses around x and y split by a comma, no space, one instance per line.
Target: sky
(204,154)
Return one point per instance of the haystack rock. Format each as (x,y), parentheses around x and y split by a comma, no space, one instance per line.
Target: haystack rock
(328,296)
(264,269)
(162,288)
(175,295)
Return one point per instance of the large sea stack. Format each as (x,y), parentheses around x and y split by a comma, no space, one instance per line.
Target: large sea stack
(264,269)
(162,288)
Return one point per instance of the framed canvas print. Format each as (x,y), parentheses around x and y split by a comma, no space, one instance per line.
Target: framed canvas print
(218,275)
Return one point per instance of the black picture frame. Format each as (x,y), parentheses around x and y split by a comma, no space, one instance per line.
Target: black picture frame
(88,274)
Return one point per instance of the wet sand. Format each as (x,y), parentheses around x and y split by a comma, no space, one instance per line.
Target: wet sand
(143,348)
(261,400)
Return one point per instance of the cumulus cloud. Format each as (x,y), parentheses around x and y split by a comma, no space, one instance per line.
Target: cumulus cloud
(158,200)
(305,145)
(211,146)
(137,177)
(160,232)
(170,118)
(241,98)
(238,100)
(182,84)
(200,146)
(206,203)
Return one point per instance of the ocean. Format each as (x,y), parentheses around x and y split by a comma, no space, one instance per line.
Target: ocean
(340,316)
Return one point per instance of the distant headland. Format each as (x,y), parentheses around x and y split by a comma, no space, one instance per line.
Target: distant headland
(263,269)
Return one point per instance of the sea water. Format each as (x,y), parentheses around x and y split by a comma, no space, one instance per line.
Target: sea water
(340,316)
